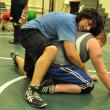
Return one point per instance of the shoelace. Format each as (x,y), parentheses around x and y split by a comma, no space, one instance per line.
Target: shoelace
(32,95)
(37,96)
(49,89)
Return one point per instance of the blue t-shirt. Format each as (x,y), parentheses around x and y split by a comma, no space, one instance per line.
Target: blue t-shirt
(55,25)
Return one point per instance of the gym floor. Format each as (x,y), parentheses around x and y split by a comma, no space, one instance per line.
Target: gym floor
(13,85)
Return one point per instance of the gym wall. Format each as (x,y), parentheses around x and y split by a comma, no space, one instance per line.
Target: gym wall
(36,5)
(58,4)
(106,5)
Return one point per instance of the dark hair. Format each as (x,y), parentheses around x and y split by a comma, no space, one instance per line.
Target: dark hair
(92,14)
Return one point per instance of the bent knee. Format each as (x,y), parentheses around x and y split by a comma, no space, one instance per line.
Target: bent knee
(87,90)
(52,49)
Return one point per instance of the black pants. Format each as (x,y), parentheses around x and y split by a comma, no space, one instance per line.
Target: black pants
(16,11)
(74,7)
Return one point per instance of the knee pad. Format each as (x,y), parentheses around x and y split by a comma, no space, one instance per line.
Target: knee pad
(87,90)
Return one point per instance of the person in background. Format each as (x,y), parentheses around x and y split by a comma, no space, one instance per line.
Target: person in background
(37,36)
(17,7)
(4,21)
(74,6)
(24,16)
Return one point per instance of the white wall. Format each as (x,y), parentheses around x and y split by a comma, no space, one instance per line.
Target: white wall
(106,5)
(32,3)
(38,3)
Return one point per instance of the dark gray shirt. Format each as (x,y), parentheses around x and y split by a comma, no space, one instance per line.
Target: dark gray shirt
(81,41)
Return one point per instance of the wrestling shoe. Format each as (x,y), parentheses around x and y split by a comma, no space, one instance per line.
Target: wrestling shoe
(33,98)
(47,87)
(13,56)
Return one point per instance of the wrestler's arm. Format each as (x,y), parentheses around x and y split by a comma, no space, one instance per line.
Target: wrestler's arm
(97,60)
(73,55)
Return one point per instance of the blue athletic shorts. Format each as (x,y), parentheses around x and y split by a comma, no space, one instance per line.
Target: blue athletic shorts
(69,75)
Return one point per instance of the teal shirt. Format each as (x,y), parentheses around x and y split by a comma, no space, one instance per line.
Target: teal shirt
(55,25)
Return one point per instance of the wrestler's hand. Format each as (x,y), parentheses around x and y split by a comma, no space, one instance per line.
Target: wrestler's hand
(94,77)
(84,67)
